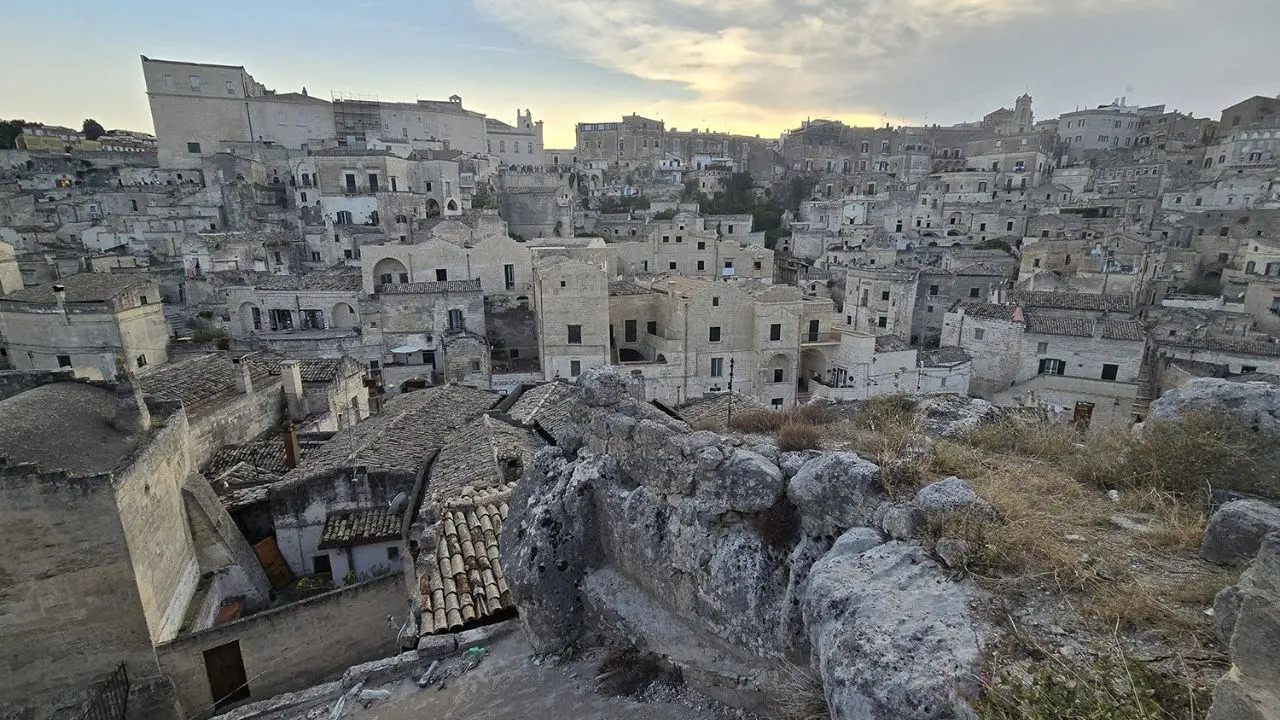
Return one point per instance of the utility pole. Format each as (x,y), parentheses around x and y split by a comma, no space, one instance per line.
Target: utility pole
(729,415)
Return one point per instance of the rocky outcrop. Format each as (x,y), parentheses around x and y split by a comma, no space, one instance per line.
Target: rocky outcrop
(1255,403)
(1251,690)
(704,550)
(1236,531)
(891,637)
(952,415)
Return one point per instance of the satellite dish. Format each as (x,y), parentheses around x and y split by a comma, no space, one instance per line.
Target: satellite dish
(398,502)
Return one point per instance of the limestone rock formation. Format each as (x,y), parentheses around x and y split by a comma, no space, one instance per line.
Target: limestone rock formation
(891,636)
(699,548)
(1236,531)
(1256,403)
(1251,690)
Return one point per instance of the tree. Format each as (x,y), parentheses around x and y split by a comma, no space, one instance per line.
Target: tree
(481,199)
(9,132)
(92,129)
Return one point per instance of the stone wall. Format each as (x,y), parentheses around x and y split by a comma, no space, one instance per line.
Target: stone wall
(294,646)
(233,418)
(68,596)
(14,382)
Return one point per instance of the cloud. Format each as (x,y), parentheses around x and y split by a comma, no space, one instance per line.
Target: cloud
(757,59)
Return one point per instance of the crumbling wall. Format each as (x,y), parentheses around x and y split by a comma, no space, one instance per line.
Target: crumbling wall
(698,548)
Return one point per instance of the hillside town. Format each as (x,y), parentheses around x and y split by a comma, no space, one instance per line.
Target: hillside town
(274,378)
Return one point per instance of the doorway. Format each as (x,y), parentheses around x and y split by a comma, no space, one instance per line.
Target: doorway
(227,680)
(1083,415)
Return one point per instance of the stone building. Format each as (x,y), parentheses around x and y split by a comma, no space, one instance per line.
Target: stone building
(633,142)
(115,528)
(519,144)
(1079,369)
(315,315)
(100,323)
(10,273)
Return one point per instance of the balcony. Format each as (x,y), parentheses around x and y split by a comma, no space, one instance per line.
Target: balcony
(831,337)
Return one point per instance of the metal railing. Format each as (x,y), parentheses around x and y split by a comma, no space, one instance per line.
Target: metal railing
(111,700)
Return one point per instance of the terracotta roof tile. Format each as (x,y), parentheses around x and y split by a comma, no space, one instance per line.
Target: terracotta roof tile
(345,528)
(1071,301)
(197,380)
(461,578)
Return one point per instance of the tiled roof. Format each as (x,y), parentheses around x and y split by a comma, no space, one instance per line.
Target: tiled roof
(313,370)
(626,287)
(944,356)
(64,426)
(712,411)
(264,455)
(345,280)
(418,288)
(84,287)
(345,528)
(198,379)
(681,285)
(410,427)
(1242,347)
(243,484)
(549,405)
(1056,325)
(1123,330)
(481,454)
(980,308)
(1201,369)
(890,343)
(1071,301)
(461,578)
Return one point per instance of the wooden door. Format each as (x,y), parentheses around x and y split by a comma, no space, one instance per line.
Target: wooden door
(227,680)
(1083,414)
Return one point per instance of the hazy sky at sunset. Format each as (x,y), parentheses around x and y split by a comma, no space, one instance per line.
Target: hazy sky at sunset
(748,66)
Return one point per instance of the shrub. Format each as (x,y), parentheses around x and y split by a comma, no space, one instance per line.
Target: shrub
(1122,689)
(883,411)
(797,435)
(626,673)
(801,695)
(1025,436)
(1188,456)
(757,421)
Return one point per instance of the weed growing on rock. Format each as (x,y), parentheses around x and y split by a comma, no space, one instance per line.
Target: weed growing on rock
(628,672)
(800,695)
(797,435)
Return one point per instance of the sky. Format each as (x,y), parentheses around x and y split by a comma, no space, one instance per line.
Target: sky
(743,66)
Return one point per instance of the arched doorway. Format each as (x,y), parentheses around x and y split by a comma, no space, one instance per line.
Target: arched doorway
(813,365)
(343,316)
(433,208)
(250,317)
(388,271)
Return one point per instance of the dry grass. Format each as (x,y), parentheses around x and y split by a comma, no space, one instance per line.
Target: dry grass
(797,435)
(800,695)
(1188,457)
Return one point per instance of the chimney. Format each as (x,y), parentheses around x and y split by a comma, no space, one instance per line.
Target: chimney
(292,451)
(131,414)
(240,367)
(291,378)
(60,297)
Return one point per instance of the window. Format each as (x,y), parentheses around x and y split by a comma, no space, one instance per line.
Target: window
(320,565)
(776,403)
(575,334)
(1050,366)
(393,553)
(884,294)
(666,238)
(702,245)
(975,292)
(509,276)
(717,367)
(672,265)
(456,321)
(982,227)
(779,375)
(775,332)
(64,361)
(575,368)
(1110,371)
(193,148)
(1042,348)
(978,333)
(713,333)
(442,275)
(302,196)
(196,82)
(702,265)
(758,265)
(715,301)
(343,218)
(1008,225)
(142,361)
(315,256)
(882,321)
(629,331)
(393,185)
(475,366)
(651,327)
(350,180)
(373,183)
(933,289)
(373,217)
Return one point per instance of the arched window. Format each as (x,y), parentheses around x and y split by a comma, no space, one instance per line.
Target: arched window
(1250,267)
(530,148)
(502,146)
(344,217)
(303,196)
